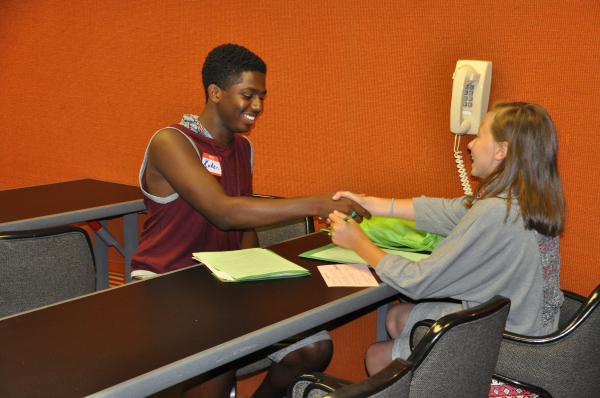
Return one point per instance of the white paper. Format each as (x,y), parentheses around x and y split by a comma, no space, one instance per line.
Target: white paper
(354,275)
(219,274)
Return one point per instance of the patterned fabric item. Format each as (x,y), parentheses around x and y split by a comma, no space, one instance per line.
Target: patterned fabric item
(550,258)
(480,195)
(500,389)
(191,122)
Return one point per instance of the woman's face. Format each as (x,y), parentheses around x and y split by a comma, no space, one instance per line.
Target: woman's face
(486,153)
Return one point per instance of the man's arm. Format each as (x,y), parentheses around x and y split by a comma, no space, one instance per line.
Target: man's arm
(174,166)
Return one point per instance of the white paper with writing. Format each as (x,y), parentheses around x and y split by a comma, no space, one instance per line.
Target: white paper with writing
(354,275)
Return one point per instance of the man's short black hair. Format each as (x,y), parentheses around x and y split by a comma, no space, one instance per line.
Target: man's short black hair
(225,64)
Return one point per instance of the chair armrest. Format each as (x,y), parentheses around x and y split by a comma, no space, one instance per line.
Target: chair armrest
(574,296)
(298,386)
(395,378)
(418,331)
(327,383)
(583,312)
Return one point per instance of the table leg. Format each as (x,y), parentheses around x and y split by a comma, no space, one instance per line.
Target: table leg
(101,258)
(382,333)
(130,231)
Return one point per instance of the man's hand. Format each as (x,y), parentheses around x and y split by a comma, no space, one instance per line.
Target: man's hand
(328,205)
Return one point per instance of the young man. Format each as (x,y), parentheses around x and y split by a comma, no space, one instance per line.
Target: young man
(197,182)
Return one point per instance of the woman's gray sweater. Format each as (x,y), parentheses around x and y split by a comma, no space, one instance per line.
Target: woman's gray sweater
(483,255)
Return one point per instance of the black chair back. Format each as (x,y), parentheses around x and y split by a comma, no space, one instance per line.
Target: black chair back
(45,266)
(456,355)
(276,233)
(453,357)
(564,364)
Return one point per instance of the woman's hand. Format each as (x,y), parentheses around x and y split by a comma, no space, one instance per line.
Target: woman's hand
(350,235)
(345,233)
(326,205)
(355,196)
(402,208)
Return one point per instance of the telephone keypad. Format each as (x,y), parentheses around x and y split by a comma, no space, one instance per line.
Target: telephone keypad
(468,96)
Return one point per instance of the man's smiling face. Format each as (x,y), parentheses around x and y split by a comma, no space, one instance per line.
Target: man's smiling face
(241,103)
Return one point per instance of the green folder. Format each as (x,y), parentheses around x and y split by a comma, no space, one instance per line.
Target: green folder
(337,254)
(249,265)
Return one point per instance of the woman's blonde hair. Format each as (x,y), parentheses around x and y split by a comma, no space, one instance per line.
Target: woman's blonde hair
(529,172)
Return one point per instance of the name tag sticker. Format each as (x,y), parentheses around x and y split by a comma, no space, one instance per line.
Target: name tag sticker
(212,164)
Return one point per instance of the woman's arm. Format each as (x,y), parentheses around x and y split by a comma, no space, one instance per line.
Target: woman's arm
(403,208)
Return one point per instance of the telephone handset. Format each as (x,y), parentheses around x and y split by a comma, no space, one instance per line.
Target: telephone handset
(470,99)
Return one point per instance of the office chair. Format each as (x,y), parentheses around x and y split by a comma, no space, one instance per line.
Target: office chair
(454,356)
(562,364)
(45,266)
(276,233)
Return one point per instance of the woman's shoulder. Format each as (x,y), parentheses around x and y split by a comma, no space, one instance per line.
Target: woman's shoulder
(494,206)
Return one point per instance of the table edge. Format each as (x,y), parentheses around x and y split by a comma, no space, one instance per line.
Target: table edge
(94,213)
(169,375)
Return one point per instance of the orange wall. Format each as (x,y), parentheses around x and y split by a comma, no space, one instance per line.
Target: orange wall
(358,91)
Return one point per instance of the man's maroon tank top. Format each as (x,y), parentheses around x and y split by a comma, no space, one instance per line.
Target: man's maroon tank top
(174,230)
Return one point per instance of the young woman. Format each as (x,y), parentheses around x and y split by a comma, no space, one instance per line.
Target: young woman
(504,240)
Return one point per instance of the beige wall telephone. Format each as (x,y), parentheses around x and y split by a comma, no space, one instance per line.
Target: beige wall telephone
(470,100)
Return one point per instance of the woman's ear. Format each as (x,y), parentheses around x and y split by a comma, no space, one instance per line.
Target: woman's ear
(214,93)
(501,150)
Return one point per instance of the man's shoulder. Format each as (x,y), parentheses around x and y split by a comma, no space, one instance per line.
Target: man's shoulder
(172,141)
(167,135)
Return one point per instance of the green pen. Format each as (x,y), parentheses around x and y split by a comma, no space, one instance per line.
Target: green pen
(350,216)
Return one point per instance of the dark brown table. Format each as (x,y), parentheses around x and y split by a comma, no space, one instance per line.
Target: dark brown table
(69,202)
(143,337)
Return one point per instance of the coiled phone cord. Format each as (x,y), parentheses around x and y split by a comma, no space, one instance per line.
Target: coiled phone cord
(464,178)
